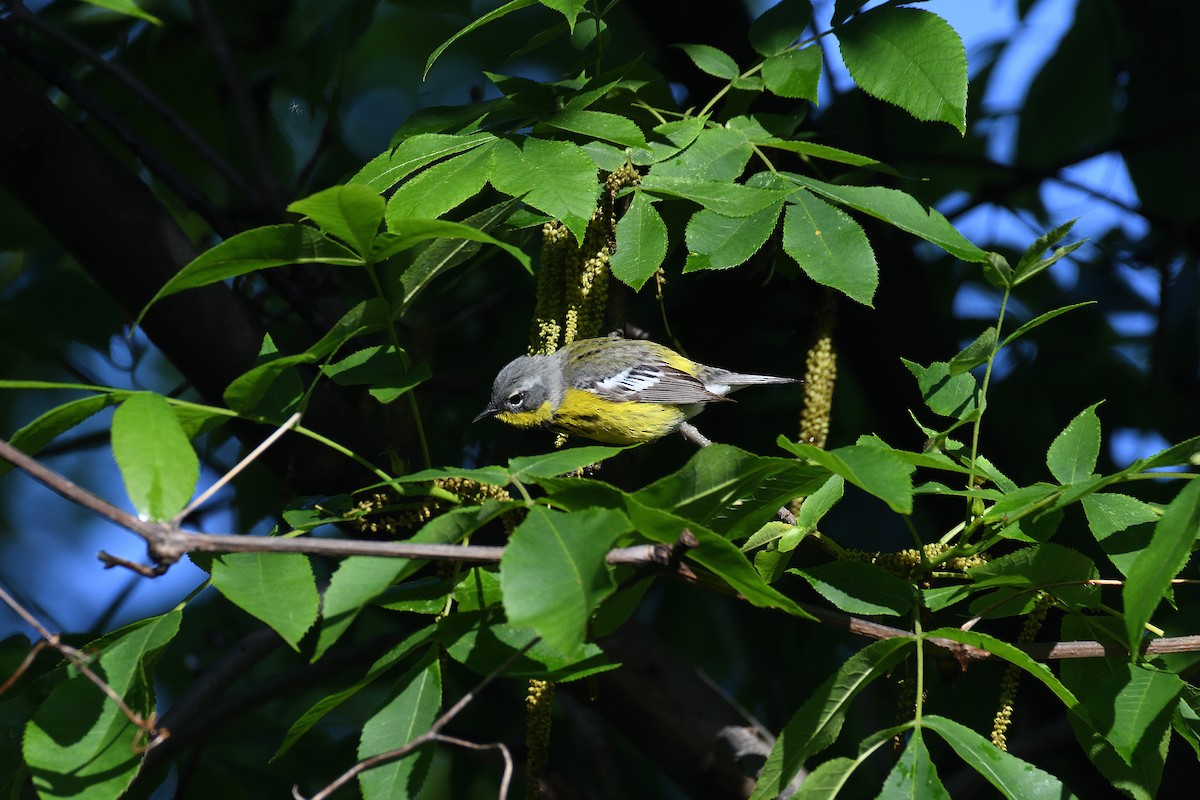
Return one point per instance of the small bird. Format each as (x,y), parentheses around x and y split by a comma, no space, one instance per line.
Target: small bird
(612,390)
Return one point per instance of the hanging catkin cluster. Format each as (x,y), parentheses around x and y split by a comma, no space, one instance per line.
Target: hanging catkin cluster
(539,707)
(381,512)
(1012,675)
(820,374)
(903,562)
(573,281)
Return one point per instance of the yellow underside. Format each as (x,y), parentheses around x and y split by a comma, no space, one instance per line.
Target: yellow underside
(592,417)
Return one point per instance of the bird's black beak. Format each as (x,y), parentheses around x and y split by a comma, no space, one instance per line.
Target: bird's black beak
(487,412)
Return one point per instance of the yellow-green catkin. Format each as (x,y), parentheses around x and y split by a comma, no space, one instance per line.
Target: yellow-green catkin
(1012,675)
(820,374)
(384,513)
(539,706)
(557,264)
(904,562)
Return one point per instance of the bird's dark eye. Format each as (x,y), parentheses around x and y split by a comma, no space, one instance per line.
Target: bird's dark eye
(515,399)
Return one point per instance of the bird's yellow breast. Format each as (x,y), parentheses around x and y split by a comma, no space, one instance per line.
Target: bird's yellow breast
(585,414)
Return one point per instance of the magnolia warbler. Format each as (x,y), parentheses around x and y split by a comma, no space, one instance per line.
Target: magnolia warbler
(613,390)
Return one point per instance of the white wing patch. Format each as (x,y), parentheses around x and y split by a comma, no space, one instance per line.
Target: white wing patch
(630,381)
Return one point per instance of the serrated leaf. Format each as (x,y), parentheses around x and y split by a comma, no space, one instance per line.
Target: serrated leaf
(598,124)
(860,588)
(1186,452)
(252,250)
(974,354)
(1033,254)
(875,470)
(404,234)
(409,712)
(360,579)
(79,745)
(1014,778)
(277,588)
(1157,565)
(914,776)
(555,177)
(440,188)
(381,368)
(1012,655)
(911,58)
(717,154)
(483,643)
(1073,453)
(730,199)
(394,165)
(715,241)
(711,60)
(156,459)
(1041,319)
(794,73)
(830,247)
(476,24)
(33,436)
(817,722)
(352,213)
(945,394)
(560,462)
(899,209)
(641,243)
(778,27)
(553,572)
(1127,703)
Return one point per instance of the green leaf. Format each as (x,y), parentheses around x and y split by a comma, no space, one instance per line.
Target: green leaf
(272,389)
(1012,655)
(1111,516)
(32,437)
(914,776)
(827,780)
(560,462)
(442,187)
(715,241)
(328,703)
(1016,779)
(1157,565)
(407,233)
(816,505)
(830,247)
(729,490)
(554,574)
(945,394)
(817,722)
(860,588)
(157,462)
(380,368)
(778,28)
(570,9)
(873,469)
(974,354)
(394,165)
(711,60)
(481,641)
(360,579)
(599,125)
(409,712)
(442,255)
(1041,319)
(554,177)
(910,58)
(79,744)
(352,213)
(717,154)
(1031,261)
(127,7)
(1128,703)
(1186,452)
(899,209)
(730,199)
(824,152)
(252,250)
(277,588)
(491,16)
(641,243)
(1073,453)
(1187,717)
(794,73)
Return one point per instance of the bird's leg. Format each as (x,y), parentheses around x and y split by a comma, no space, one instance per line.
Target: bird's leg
(692,435)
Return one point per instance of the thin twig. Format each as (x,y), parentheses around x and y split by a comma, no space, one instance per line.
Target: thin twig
(433,734)
(237,468)
(80,661)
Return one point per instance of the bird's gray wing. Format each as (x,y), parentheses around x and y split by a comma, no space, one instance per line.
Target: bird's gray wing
(650,382)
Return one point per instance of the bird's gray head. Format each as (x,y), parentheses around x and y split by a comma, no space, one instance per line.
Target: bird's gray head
(524,391)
